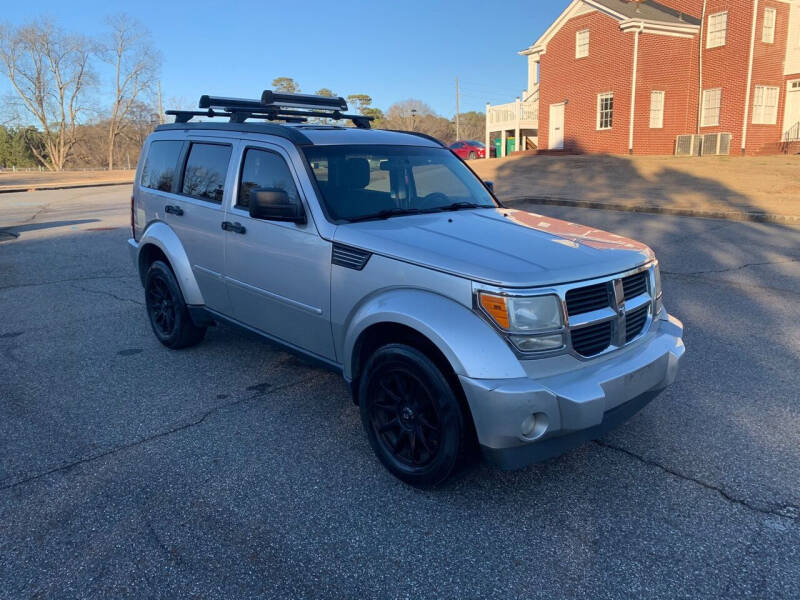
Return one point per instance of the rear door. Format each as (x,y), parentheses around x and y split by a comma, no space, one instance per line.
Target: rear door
(195,212)
(278,273)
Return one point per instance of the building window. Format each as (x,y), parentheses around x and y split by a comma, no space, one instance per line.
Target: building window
(582,44)
(768,29)
(765,105)
(712,101)
(656,110)
(717,30)
(605,110)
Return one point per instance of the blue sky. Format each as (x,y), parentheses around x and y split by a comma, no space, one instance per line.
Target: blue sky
(390,50)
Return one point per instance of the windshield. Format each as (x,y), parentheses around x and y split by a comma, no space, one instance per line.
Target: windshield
(363,182)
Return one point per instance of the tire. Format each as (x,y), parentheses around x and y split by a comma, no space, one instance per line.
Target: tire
(166,309)
(472,155)
(412,417)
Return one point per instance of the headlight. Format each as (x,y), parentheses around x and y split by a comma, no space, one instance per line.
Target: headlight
(657,295)
(524,314)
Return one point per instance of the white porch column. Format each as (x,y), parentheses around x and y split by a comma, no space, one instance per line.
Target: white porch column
(503,138)
(488,154)
(518,110)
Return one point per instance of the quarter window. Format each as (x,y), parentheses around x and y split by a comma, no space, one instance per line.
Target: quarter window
(765,105)
(582,44)
(768,28)
(712,102)
(717,30)
(206,169)
(159,169)
(656,110)
(605,110)
(264,170)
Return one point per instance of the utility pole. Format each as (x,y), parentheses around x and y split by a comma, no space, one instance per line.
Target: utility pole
(458,129)
(160,105)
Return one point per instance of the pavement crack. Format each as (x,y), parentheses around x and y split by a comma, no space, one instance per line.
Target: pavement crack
(73,279)
(785,511)
(109,294)
(145,440)
(737,268)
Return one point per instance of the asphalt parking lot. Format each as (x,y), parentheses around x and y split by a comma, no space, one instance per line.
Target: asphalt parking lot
(235,470)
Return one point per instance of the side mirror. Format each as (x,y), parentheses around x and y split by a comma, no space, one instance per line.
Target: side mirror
(489,185)
(273,204)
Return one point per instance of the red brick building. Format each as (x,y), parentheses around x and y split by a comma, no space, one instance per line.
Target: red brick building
(622,76)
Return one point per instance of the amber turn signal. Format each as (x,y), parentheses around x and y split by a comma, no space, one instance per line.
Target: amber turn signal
(497,308)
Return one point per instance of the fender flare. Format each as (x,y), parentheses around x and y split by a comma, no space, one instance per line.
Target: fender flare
(472,347)
(162,236)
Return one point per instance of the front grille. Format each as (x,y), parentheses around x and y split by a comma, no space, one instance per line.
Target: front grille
(592,339)
(634,323)
(635,285)
(586,299)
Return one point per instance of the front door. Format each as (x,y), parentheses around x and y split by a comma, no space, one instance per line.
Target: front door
(556,138)
(792,113)
(277,273)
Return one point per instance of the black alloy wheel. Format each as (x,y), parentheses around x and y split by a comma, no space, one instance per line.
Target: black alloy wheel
(412,417)
(169,316)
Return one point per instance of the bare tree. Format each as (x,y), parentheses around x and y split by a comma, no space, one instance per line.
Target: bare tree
(285,84)
(49,71)
(128,49)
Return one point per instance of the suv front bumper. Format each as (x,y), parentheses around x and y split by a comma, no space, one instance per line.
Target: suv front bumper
(574,405)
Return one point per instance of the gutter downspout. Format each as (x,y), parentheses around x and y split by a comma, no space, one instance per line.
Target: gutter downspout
(633,86)
(749,77)
(700,89)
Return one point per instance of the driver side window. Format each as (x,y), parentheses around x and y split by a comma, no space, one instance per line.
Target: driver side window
(262,169)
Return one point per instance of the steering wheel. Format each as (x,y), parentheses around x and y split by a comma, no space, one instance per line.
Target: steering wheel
(433,200)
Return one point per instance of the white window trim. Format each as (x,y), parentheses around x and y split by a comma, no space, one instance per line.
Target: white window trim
(578,44)
(768,33)
(659,112)
(706,93)
(600,98)
(711,19)
(763,113)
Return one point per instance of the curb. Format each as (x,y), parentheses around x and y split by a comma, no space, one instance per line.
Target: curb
(65,186)
(733,215)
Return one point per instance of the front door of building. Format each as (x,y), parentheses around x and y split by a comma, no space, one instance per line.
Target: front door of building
(556,137)
(792,113)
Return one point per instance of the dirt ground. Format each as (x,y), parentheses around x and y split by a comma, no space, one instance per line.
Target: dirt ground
(753,184)
(43,179)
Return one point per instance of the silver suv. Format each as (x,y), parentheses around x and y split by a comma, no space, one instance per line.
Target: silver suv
(455,322)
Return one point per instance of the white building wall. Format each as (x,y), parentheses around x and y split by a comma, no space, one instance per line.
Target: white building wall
(792,64)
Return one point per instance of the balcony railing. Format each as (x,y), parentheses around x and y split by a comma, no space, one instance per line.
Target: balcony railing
(793,133)
(526,114)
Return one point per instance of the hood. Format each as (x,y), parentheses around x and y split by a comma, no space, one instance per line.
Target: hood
(502,247)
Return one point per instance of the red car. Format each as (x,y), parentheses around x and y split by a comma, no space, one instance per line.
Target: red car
(469,149)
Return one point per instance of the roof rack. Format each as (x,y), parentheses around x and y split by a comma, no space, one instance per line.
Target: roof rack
(273,106)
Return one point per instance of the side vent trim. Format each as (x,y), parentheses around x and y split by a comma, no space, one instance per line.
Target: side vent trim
(348,257)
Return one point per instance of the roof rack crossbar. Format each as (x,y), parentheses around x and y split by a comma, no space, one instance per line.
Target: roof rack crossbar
(273,106)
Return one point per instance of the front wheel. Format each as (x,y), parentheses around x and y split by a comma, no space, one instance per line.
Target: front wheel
(412,417)
(168,314)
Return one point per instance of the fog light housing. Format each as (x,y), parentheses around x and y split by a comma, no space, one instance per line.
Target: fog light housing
(540,343)
(535,426)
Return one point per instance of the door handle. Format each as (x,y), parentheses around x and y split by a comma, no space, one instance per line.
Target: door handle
(173,210)
(234,227)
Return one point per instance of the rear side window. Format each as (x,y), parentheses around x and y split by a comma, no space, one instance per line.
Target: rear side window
(206,169)
(264,170)
(161,165)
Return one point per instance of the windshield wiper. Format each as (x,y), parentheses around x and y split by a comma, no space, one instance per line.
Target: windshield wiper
(386,213)
(461,206)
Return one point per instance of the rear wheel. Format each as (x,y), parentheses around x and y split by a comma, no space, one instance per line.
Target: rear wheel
(472,155)
(168,314)
(412,418)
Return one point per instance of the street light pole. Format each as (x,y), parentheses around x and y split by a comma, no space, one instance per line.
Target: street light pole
(458,129)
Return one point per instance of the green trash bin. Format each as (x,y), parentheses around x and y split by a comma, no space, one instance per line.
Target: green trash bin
(498,145)
(511,145)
